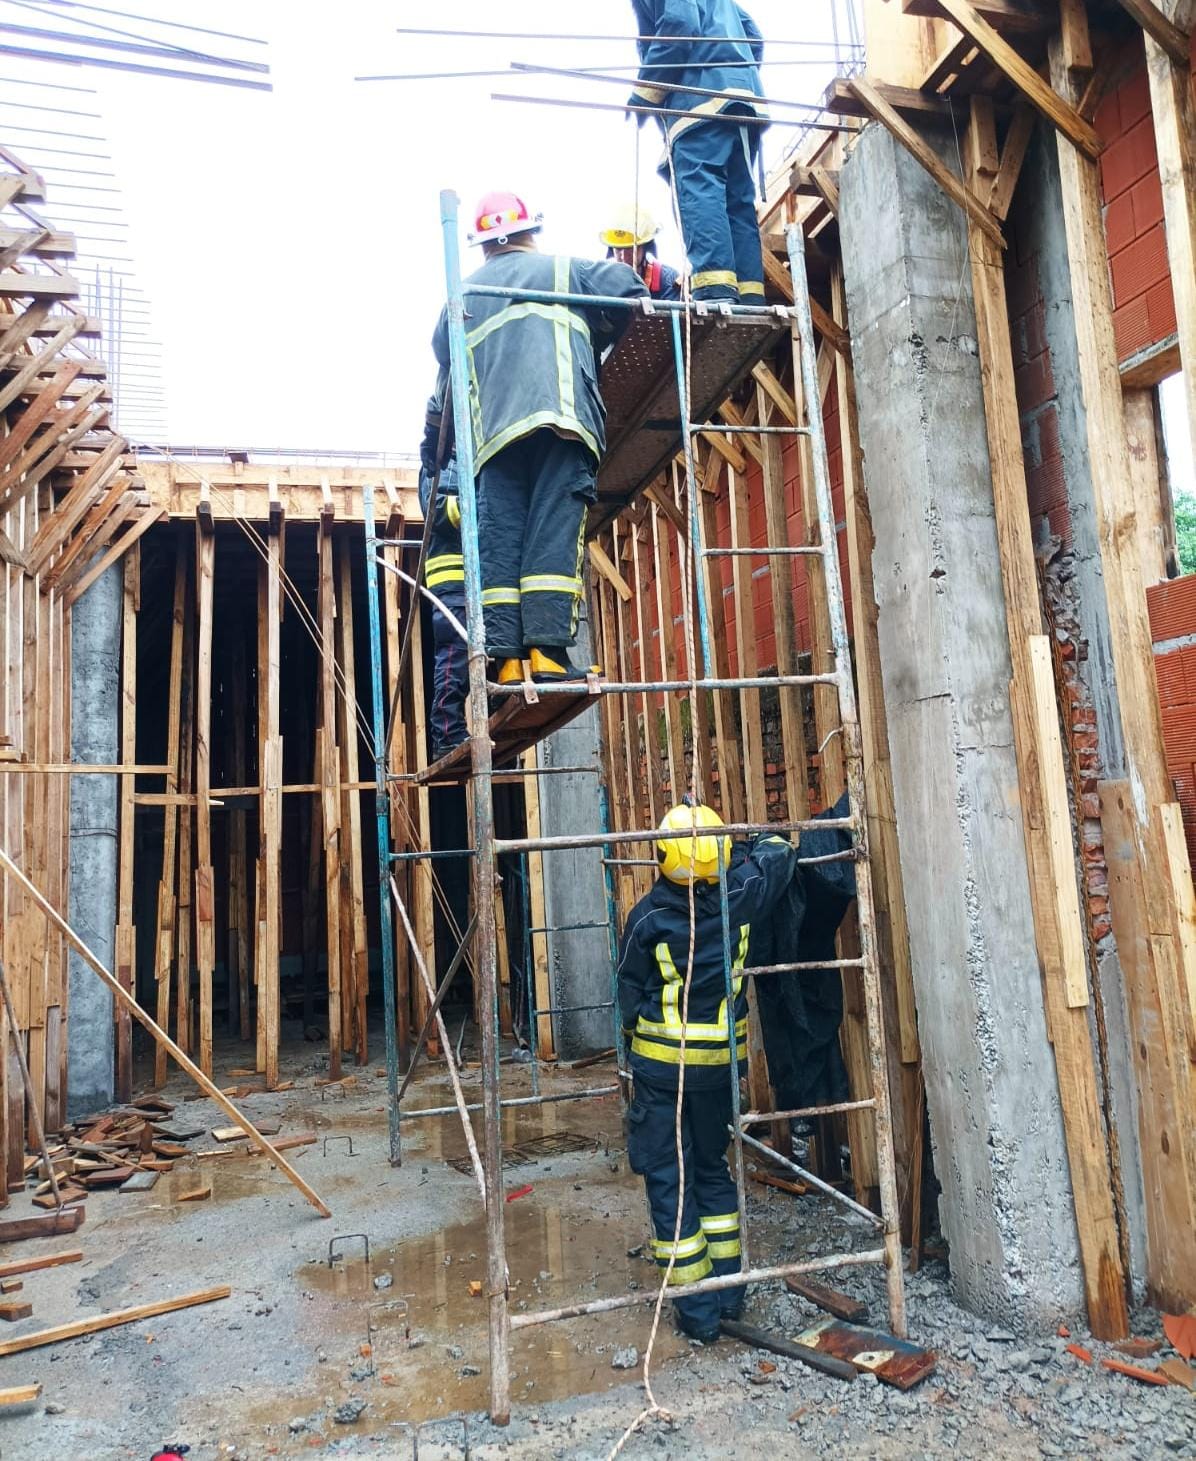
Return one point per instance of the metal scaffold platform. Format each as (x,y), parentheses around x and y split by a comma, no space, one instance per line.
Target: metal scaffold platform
(691,356)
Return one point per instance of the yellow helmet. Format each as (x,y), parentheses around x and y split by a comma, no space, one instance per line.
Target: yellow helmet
(632,224)
(681,858)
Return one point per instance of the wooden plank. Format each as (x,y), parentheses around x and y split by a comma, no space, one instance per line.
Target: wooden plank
(658,802)
(359,966)
(1166,1171)
(728,749)
(126,937)
(331,798)
(140,527)
(1173,105)
(96,1322)
(423,919)
(662,558)
(929,159)
(1041,96)
(34,1265)
(1161,31)
(398,802)
(205,911)
(239,941)
(37,286)
(607,569)
(13,1309)
(1179,870)
(270,973)
(49,1225)
(181,906)
(842,1306)
(71,510)
(20,1395)
(544,1047)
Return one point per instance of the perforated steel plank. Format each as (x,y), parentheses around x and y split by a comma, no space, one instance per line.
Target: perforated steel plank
(639,386)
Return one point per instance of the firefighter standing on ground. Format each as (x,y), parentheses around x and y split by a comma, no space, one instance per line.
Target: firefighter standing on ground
(710,156)
(631,239)
(539,433)
(654,967)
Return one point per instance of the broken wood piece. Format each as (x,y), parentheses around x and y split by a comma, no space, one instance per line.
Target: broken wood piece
(842,1306)
(777,1344)
(893,1361)
(11,1286)
(72,1193)
(1080,1353)
(140,1182)
(305,1138)
(32,1265)
(1179,1372)
(195,1194)
(766,1179)
(475,1288)
(13,1309)
(169,1149)
(97,1322)
(1135,1372)
(108,1177)
(228,1133)
(20,1394)
(1137,1347)
(152,1102)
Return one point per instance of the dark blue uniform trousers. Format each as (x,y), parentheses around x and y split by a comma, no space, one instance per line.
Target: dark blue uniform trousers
(450,673)
(708,1242)
(713,178)
(533,499)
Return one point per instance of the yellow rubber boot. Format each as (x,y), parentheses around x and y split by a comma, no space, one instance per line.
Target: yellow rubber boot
(552,665)
(510,672)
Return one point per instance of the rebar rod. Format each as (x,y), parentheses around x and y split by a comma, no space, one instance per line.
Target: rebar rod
(805,360)
(485,864)
(731,1001)
(675,89)
(753,1118)
(661,687)
(657,834)
(825,1187)
(807,968)
(454,1075)
(647,1295)
(740,119)
(510,1101)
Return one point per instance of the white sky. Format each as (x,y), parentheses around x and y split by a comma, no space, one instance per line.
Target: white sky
(290,242)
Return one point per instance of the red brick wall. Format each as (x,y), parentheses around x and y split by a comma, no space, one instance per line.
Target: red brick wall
(1173,630)
(1144,305)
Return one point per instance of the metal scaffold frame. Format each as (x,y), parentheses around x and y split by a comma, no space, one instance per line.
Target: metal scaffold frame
(488,848)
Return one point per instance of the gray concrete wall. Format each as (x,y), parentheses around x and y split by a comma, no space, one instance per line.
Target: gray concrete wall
(574,889)
(1040,230)
(95,712)
(991,1085)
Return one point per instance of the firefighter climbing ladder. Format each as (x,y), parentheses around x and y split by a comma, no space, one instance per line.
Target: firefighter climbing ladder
(629,843)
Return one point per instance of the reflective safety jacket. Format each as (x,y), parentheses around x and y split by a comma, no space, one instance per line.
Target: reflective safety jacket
(667,62)
(533,364)
(445,567)
(653,963)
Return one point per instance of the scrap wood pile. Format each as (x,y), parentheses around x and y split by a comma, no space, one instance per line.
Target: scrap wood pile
(127,1149)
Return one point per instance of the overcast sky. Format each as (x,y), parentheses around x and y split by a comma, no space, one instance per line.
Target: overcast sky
(290,242)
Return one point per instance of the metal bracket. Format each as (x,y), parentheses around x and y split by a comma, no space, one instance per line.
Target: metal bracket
(348,1238)
(349,1139)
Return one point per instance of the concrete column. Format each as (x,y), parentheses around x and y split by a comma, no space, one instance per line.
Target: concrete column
(574,888)
(991,1085)
(95,712)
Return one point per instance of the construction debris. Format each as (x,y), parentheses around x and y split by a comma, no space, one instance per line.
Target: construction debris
(791,1349)
(53,1225)
(97,1322)
(842,1306)
(20,1394)
(13,1309)
(893,1361)
(32,1265)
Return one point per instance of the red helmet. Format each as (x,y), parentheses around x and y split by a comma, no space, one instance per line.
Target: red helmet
(499,215)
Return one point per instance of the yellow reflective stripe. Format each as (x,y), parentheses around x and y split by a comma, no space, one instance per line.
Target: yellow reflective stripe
(669,995)
(452,507)
(577,569)
(712,277)
(683,1248)
(671,1054)
(446,560)
(728,1248)
(691,1272)
(446,575)
(693,1031)
(649,93)
(566,425)
(712,106)
(728,1223)
(557,314)
(751,286)
(564,345)
(501,596)
(550,583)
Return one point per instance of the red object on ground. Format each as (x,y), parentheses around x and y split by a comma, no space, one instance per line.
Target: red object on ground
(1136,1372)
(520,1192)
(1080,1353)
(1063,1332)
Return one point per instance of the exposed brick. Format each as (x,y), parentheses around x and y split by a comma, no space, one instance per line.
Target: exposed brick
(1133,98)
(1108,118)
(1120,230)
(1131,327)
(1035,383)
(1140,265)
(1147,196)
(1129,158)
(1160,310)
(1172,608)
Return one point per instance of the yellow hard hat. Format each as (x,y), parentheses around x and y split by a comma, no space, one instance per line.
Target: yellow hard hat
(681,858)
(631,224)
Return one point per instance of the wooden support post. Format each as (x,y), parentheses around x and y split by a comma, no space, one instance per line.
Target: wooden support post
(205,911)
(238,847)
(674,740)
(331,793)
(423,914)
(355,939)
(165,925)
(657,797)
(614,720)
(728,751)
(631,723)
(269,991)
(186,782)
(126,937)
(1046,820)
(398,806)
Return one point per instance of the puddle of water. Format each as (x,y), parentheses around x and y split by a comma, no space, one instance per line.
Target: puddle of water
(556,1254)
